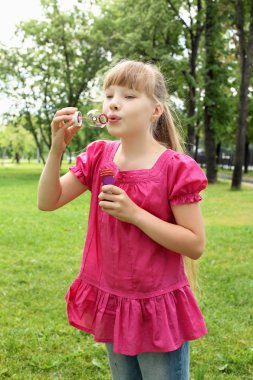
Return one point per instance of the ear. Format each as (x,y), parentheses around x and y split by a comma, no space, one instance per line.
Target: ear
(158,110)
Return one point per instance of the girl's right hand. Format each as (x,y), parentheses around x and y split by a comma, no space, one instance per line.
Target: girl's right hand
(63,129)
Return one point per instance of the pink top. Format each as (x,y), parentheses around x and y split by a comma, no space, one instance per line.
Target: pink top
(130,290)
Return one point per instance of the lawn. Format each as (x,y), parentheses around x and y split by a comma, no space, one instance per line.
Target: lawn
(40,257)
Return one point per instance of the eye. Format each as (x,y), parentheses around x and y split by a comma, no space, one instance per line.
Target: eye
(130,97)
(108,96)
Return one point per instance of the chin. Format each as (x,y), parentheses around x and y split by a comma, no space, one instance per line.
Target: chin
(114,132)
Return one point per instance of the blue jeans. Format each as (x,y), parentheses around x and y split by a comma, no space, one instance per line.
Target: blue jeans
(171,365)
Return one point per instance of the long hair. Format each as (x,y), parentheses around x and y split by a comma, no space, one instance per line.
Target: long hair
(167,130)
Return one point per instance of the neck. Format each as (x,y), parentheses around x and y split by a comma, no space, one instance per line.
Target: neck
(133,147)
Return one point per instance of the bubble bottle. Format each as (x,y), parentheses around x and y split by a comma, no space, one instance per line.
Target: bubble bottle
(107,176)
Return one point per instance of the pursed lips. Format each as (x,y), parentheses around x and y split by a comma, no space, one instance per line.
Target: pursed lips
(114,118)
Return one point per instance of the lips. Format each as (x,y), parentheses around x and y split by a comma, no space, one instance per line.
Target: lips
(113,117)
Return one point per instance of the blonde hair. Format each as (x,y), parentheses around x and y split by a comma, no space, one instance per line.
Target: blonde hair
(147,77)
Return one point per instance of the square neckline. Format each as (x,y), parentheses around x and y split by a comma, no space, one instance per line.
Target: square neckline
(157,164)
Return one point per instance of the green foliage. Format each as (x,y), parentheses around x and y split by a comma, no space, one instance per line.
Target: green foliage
(64,57)
(16,142)
(54,70)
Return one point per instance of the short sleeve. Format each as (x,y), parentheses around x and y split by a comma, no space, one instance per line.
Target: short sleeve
(185,180)
(86,162)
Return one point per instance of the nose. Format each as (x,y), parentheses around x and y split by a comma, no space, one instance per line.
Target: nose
(114,104)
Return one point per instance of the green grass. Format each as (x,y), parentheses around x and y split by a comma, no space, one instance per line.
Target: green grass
(41,255)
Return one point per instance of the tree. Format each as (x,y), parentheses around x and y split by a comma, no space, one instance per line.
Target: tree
(53,71)
(16,142)
(246,55)
(192,34)
(216,80)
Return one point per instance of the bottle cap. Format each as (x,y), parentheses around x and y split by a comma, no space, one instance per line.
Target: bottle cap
(107,171)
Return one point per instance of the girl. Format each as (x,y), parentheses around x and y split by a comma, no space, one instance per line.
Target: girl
(132,292)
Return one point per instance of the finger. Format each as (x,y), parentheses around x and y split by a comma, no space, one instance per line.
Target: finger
(72,130)
(107,205)
(57,119)
(61,125)
(107,197)
(113,189)
(70,122)
(67,110)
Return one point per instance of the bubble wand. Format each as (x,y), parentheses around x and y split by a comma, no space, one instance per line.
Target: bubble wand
(97,119)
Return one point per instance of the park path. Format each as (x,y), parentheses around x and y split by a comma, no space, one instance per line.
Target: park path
(244,180)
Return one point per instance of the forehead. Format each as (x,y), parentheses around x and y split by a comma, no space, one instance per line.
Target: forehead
(120,88)
(133,76)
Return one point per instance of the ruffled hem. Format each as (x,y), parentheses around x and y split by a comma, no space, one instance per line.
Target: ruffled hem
(186,198)
(156,324)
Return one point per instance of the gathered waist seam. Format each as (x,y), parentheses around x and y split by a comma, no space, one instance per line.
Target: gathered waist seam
(136,295)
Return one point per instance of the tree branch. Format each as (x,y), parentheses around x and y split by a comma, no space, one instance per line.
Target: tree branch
(200,28)
(177,14)
(189,7)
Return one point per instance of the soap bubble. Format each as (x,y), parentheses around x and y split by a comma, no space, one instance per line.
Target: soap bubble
(97,119)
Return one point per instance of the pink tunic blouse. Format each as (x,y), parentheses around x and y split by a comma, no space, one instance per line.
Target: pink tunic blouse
(130,290)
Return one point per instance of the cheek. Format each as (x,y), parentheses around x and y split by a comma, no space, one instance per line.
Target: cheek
(136,119)
(139,111)
(142,116)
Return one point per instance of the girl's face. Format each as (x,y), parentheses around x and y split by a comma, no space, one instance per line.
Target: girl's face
(134,108)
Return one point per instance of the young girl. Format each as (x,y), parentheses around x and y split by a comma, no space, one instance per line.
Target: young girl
(132,292)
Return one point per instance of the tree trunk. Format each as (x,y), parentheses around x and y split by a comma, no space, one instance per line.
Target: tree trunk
(192,91)
(218,150)
(210,34)
(191,112)
(196,147)
(194,32)
(246,156)
(246,53)
(17,157)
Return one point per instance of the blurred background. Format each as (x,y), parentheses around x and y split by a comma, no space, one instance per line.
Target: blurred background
(54,53)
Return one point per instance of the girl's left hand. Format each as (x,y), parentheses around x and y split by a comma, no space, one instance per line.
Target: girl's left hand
(121,206)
